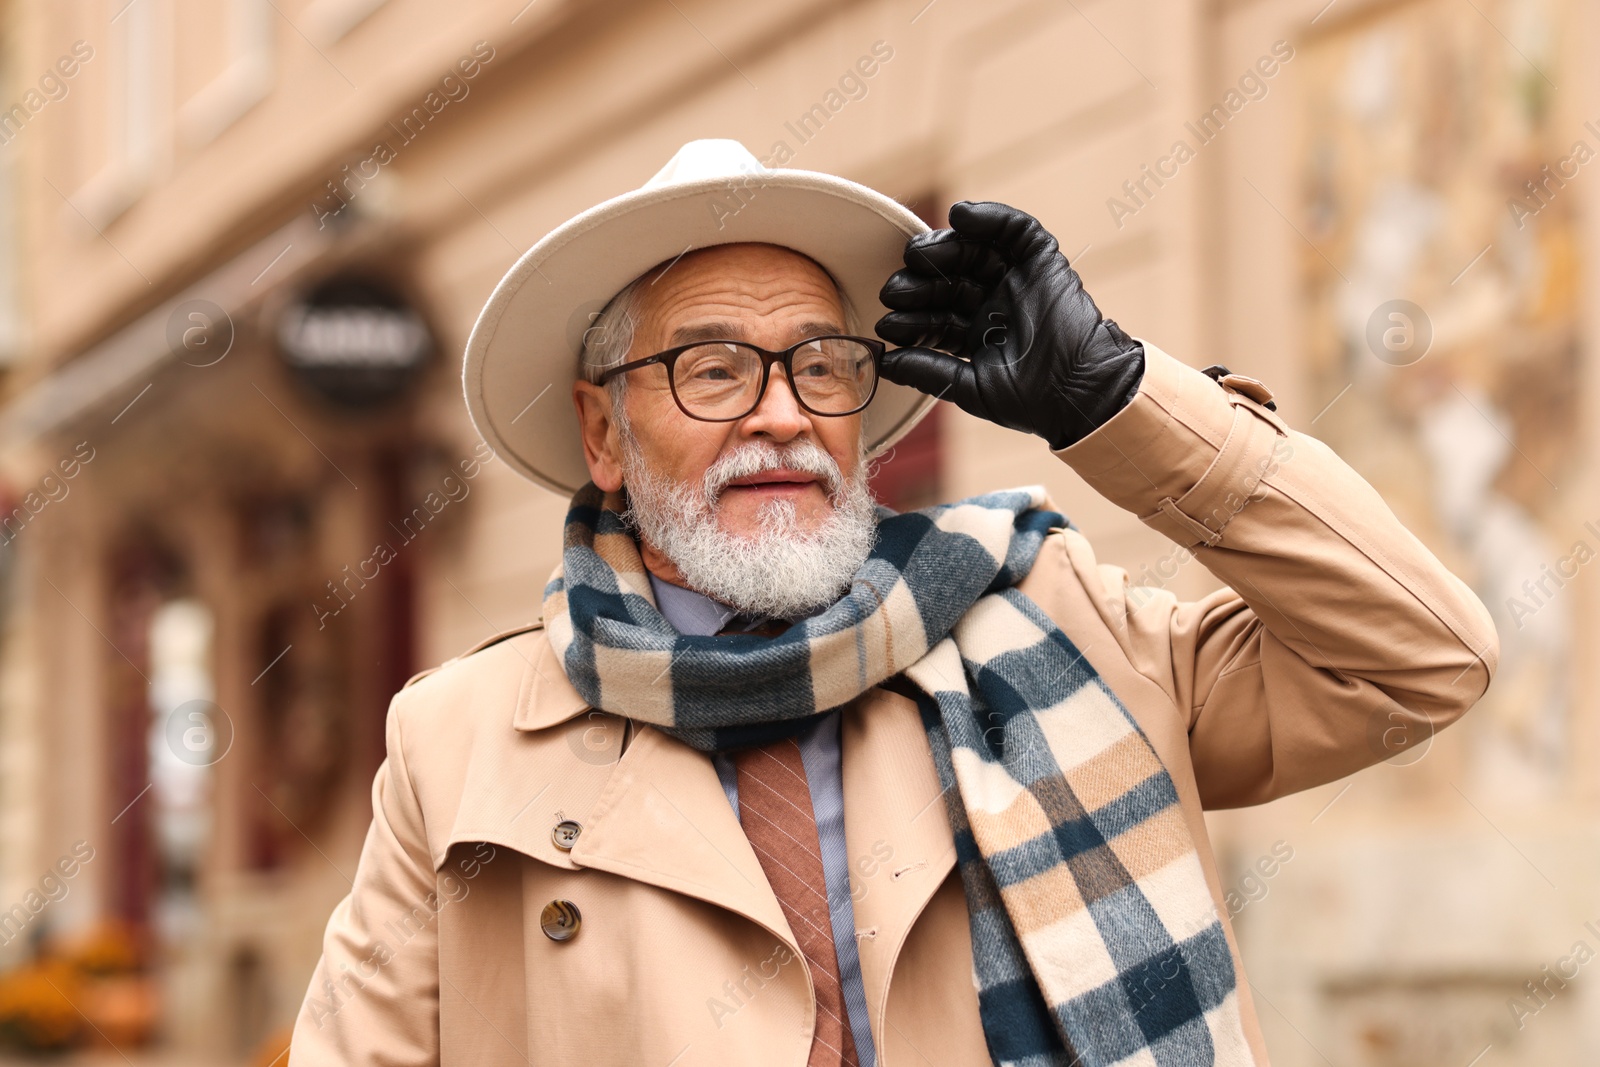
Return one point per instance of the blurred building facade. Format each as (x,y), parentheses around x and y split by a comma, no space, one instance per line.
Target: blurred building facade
(243,245)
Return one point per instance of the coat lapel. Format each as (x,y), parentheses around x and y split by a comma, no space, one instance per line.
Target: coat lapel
(652,811)
(657,814)
(664,819)
(893,809)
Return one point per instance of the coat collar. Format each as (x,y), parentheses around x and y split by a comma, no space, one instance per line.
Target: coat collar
(545,697)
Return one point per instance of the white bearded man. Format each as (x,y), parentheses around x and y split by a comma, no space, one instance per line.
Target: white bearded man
(784,777)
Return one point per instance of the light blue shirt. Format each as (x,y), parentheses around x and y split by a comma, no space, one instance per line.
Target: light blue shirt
(694,613)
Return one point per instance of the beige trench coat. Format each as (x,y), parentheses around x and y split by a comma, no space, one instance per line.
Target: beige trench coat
(1339,629)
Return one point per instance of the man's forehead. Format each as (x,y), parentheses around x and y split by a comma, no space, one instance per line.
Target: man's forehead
(721,291)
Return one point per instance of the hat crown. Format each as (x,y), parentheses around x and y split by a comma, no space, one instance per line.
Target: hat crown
(708,157)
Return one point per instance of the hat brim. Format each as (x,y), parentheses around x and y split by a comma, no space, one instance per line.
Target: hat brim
(522,357)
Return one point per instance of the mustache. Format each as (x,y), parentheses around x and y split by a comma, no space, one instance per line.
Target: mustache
(758,457)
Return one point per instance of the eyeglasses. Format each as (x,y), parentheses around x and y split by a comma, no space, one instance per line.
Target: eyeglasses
(720,381)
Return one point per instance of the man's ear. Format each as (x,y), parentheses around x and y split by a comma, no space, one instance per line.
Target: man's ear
(598,430)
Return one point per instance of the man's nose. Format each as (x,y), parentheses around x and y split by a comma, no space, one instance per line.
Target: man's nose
(778,415)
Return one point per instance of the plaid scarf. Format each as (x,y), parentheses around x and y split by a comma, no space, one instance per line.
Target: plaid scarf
(1095,940)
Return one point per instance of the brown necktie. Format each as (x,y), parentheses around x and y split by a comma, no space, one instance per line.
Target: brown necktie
(775,808)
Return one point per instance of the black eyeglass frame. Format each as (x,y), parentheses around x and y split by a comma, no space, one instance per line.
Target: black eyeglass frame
(669,358)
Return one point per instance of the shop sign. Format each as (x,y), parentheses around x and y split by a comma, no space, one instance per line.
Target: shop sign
(354,342)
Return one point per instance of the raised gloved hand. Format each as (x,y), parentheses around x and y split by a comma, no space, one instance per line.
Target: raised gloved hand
(1021,344)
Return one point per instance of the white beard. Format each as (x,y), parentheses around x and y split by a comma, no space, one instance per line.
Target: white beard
(783,572)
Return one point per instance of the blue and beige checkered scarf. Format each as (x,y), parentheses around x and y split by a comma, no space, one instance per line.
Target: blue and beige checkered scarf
(1095,939)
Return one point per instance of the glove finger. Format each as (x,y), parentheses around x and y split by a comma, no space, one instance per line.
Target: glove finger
(934,373)
(1017,235)
(909,290)
(947,254)
(928,329)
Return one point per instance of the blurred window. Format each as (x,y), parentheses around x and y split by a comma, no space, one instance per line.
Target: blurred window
(185,741)
(245,78)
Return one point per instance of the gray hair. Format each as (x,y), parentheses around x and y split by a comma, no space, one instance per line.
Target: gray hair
(608,338)
(607,341)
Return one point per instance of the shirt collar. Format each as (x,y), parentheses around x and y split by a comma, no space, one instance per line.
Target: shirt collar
(697,615)
(690,612)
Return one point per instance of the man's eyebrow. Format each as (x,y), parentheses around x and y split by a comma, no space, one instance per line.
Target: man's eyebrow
(735,331)
(705,331)
(817,328)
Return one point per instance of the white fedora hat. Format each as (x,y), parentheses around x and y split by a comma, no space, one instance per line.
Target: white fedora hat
(522,357)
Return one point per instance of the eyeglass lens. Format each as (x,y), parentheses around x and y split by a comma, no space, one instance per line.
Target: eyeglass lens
(719,380)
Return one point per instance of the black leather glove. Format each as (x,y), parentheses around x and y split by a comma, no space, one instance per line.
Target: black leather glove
(995,290)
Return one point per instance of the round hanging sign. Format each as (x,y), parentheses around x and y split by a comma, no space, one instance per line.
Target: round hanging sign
(355,342)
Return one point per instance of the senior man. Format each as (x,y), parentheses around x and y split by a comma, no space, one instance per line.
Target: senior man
(785,778)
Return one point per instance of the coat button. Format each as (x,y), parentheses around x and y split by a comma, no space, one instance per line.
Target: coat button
(565,834)
(560,920)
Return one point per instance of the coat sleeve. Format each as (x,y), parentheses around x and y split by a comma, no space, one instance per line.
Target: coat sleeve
(374,997)
(1341,639)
